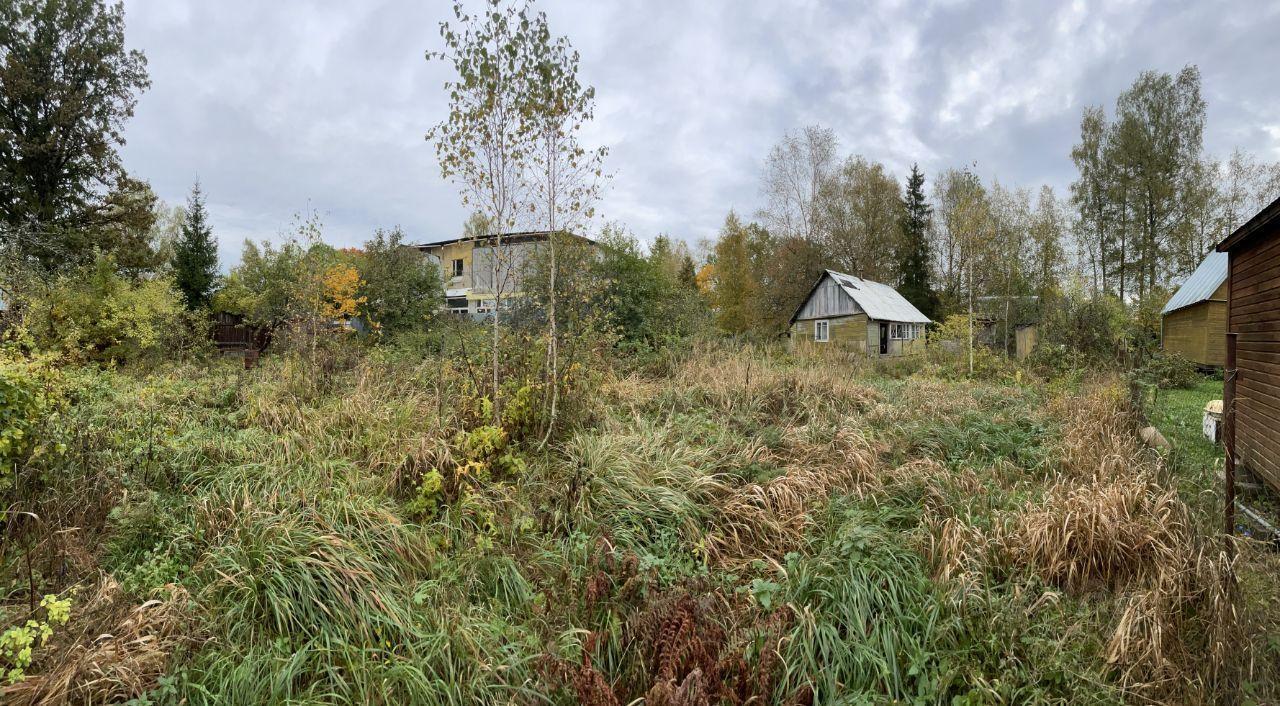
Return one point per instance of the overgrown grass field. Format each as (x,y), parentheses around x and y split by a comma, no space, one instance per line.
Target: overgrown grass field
(724,526)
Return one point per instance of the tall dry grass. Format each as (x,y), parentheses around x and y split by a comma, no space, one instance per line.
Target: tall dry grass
(771,518)
(112,650)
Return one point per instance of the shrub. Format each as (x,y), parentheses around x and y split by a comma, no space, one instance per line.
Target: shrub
(1168,371)
(29,393)
(97,315)
(18,643)
(949,347)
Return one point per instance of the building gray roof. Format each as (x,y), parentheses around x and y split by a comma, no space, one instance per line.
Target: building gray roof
(880,301)
(1201,284)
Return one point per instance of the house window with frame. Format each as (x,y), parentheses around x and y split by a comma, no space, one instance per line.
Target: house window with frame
(905,332)
(455,267)
(822,331)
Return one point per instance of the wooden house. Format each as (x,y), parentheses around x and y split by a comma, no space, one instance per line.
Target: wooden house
(1194,321)
(858,315)
(476,270)
(1252,395)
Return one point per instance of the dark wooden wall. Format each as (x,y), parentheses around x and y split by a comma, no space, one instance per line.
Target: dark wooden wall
(1254,314)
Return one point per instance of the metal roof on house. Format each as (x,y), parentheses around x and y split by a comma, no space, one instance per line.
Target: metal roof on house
(1201,284)
(879,301)
(513,237)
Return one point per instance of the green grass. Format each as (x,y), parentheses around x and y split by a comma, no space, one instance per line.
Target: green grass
(1195,461)
(283,509)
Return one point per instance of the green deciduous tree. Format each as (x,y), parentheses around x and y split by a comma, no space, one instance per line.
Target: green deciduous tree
(734,285)
(195,254)
(1142,190)
(860,212)
(402,286)
(67,86)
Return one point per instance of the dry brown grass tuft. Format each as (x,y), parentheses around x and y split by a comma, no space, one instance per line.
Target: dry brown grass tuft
(959,553)
(112,651)
(744,381)
(1098,436)
(770,518)
(1180,635)
(1099,534)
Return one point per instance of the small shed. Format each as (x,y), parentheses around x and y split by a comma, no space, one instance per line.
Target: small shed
(858,315)
(1252,396)
(1194,321)
(1025,338)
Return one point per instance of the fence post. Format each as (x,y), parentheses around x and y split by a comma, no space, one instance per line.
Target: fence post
(1229,437)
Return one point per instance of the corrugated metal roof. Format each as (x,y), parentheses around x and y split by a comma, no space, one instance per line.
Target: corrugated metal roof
(880,301)
(1201,284)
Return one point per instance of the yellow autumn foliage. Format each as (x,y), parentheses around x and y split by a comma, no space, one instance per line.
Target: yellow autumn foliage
(341,285)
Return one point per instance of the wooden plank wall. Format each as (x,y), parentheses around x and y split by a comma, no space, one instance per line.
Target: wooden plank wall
(1254,314)
(845,332)
(1024,341)
(1185,332)
(828,300)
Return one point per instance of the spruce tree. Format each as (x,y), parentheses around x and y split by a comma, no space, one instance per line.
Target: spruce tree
(914,256)
(195,254)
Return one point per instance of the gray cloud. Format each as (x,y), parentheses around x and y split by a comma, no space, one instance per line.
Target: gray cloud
(287,107)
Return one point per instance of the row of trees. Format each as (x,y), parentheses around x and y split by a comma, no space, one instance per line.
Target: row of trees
(68,84)
(1149,203)
(1147,206)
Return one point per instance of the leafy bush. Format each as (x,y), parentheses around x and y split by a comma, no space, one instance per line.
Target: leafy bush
(402,289)
(97,315)
(18,643)
(1169,371)
(30,392)
(1099,328)
(949,348)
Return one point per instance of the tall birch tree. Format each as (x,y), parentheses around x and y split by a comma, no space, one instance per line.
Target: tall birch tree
(483,144)
(564,178)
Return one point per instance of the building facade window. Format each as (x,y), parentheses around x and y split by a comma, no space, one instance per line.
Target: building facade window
(456,267)
(822,331)
(457,305)
(906,332)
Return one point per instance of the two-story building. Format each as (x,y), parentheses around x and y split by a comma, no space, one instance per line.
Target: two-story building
(477,270)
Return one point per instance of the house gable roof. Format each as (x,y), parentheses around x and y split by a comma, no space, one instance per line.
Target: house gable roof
(879,301)
(1201,285)
(1254,226)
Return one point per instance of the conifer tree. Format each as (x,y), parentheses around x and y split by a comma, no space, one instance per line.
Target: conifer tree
(195,254)
(914,257)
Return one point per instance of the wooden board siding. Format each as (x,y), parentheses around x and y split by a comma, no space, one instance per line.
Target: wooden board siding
(1185,332)
(1024,341)
(847,332)
(1254,314)
(828,300)
(1198,331)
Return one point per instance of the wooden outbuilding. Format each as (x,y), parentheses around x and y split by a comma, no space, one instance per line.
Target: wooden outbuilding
(1252,395)
(1194,321)
(858,315)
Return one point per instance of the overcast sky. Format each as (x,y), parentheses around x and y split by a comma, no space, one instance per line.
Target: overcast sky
(285,107)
